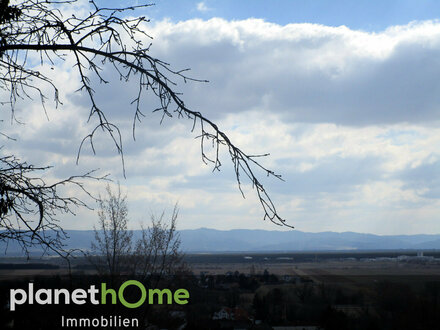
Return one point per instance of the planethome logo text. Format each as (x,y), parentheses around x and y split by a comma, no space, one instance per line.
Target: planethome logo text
(97,296)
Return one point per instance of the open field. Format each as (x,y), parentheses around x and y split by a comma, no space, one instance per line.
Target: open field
(321,265)
(318,266)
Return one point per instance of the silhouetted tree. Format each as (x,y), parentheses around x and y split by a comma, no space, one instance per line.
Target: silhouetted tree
(113,245)
(97,39)
(115,251)
(157,252)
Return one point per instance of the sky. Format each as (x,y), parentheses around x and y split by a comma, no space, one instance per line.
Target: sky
(367,15)
(344,95)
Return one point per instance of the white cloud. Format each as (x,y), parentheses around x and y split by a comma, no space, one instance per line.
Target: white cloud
(201,6)
(308,72)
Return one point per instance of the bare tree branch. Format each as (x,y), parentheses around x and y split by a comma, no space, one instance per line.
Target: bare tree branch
(30,207)
(108,36)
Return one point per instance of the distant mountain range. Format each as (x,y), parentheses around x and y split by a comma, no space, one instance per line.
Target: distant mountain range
(211,240)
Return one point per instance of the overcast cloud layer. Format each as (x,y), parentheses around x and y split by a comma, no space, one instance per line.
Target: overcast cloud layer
(351,120)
